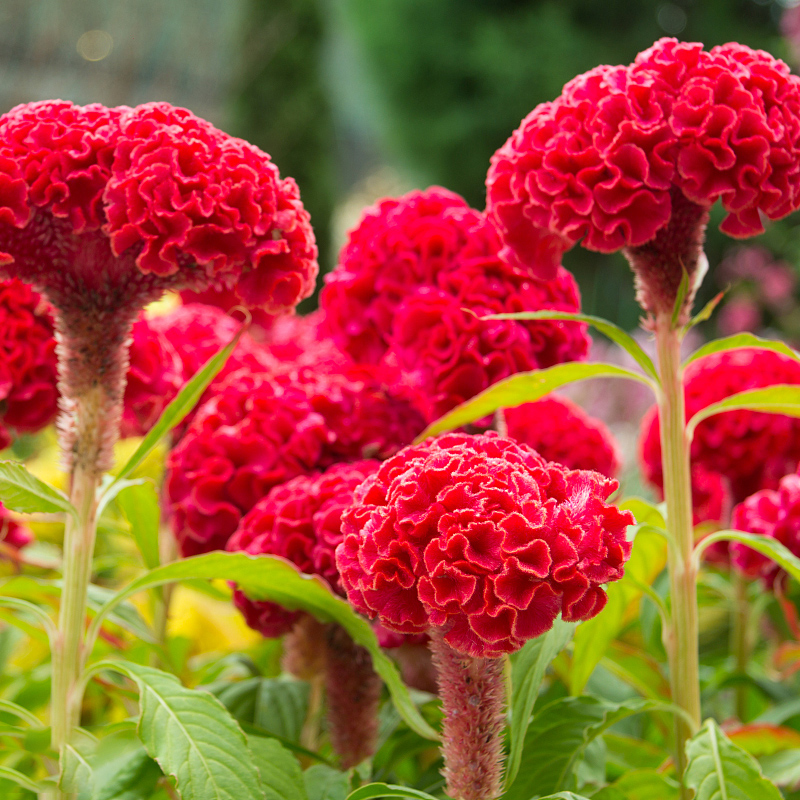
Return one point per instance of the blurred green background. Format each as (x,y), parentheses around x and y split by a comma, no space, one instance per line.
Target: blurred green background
(362,98)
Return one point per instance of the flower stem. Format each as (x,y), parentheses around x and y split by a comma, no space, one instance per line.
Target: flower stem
(473,699)
(682,643)
(742,641)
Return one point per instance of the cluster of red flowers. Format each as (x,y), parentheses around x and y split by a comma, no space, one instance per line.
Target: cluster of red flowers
(608,160)
(481,537)
(299,520)
(736,453)
(412,281)
(28,375)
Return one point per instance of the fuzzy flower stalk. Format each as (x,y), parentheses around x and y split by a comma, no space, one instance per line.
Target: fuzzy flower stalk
(632,158)
(481,543)
(101,210)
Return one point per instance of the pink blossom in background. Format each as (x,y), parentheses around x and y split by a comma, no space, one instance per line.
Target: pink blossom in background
(482,538)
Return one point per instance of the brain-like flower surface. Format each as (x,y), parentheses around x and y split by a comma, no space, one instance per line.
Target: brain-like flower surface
(411,283)
(299,520)
(28,378)
(227,300)
(612,158)
(748,450)
(559,430)
(774,513)
(109,206)
(481,537)
(252,436)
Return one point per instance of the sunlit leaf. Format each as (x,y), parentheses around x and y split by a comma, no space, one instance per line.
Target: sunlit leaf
(740,341)
(765,545)
(20,779)
(609,329)
(524,387)
(280,772)
(77,774)
(719,770)
(527,673)
(139,504)
(385,790)
(277,580)
(705,312)
(22,491)
(762,739)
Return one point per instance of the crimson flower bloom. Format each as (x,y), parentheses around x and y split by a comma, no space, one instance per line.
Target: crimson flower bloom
(773,513)
(481,538)
(559,430)
(746,450)
(411,283)
(633,158)
(28,390)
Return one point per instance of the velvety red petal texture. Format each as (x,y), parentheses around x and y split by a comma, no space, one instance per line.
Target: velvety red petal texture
(411,282)
(28,375)
(736,453)
(774,513)
(116,204)
(300,521)
(600,161)
(559,430)
(480,536)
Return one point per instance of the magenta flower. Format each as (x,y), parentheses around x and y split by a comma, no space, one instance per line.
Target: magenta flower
(412,280)
(747,450)
(770,512)
(633,158)
(482,538)
(559,430)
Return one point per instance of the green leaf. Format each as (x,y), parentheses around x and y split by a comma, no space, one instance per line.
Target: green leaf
(645,513)
(524,387)
(280,773)
(609,329)
(34,610)
(125,615)
(139,504)
(683,288)
(177,410)
(739,341)
(559,736)
(22,491)
(527,674)
(564,796)
(706,312)
(777,399)
(593,637)
(717,768)
(77,774)
(7,707)
(277,580)
(192,737)
(20,779)
(765,545)
(136,779)
(645,785)
(326,783)
(387,790)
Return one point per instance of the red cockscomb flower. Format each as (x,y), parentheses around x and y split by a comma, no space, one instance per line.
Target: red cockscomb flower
(633,157)
(252,436)
(227,299)
(480,538)
(28,379)
(773,513)
(299,520)
(559,430)
(411,283)
(748,450)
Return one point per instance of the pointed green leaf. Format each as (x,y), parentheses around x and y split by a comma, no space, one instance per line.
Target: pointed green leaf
(20,780)
(139,504)
(644,513)
(7,707)
(719,770)
(280,772)
(192,737)
(135,780)
(777,399)
(177,410)
(766,545)
(683,288)
(705,312)
(277,580)
(386,790)
(22,491)
(527,673)
(77,774)
(564,796)
(742,340)
(326,783)
(524,387)
(609,329)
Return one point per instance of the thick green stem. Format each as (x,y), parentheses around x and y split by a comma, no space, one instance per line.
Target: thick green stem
(742,641)
(682,643)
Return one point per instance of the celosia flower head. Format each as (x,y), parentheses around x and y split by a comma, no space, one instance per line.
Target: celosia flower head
(481,537)
(629,154)
(28,390)
(747,450)
(109,206)
(559,430)
(411,284)
(773,513)
(300,520)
